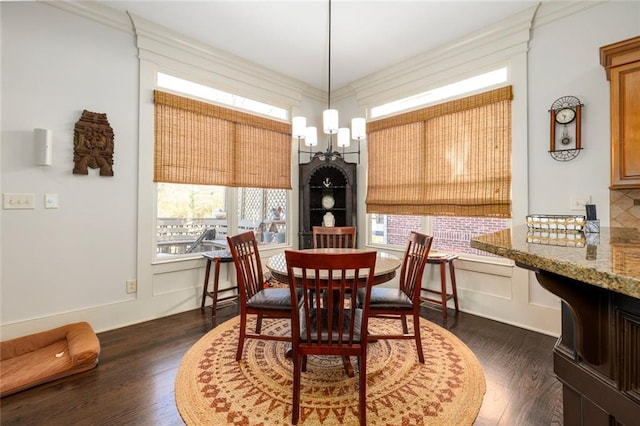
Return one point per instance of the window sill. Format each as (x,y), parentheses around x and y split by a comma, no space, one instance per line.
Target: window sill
(468,262)
(196,260)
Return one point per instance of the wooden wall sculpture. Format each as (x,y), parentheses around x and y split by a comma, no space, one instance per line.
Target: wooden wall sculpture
(93,144)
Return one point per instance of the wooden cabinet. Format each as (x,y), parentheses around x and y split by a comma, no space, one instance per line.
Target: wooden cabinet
(325,176)
(622,64)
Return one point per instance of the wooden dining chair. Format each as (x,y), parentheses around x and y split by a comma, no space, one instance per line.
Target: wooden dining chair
(255,299)
(329,326)
(334,237)
(398,303)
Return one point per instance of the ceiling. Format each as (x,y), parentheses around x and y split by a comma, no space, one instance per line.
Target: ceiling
(292,38)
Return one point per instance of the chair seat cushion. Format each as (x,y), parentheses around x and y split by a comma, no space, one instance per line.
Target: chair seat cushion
(271,298)
(386,298)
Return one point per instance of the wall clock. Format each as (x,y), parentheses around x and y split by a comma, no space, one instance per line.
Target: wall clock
(565,119)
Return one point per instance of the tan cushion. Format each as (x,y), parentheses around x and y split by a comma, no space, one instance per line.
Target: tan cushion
(84,346)
(38,358)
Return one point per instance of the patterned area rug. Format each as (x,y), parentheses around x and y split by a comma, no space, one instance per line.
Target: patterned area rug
(212,388)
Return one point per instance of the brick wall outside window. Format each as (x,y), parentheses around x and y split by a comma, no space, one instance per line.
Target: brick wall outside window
(399,228)
(450,234)
(453,234)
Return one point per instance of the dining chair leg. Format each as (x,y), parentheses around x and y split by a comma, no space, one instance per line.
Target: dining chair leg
(362,396)
(216,280)
(348,367)
(416,332)
(243,324)
(259,324)
(405,329)
(454,289)
(295,410)
(443,290)
(207,271)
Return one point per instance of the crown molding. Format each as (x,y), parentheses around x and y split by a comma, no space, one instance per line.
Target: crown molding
(553,10)
(489,45)
(96,12)
(165,46)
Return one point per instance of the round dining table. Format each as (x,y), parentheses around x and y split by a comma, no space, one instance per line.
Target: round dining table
(386,264)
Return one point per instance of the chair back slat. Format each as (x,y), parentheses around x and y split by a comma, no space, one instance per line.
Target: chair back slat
(415,259)
(327,322)
(246,257)
(334,237)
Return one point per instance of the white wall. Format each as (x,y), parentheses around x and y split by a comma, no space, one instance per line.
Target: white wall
(71,263)
(564,59)
(76,257)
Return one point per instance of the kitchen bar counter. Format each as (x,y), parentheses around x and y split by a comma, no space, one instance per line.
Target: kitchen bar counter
(612,263)
(597,276)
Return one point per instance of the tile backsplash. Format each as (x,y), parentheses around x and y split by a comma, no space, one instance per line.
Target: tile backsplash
(625,210)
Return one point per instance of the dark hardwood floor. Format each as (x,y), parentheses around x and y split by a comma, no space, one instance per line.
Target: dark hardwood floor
(133,384)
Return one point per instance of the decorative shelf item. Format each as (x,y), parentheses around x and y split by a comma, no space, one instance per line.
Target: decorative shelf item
(552,238)
(556,222)
(565,120)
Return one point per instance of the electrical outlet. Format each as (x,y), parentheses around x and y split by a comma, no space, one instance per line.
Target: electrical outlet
(132,286)
(578,202)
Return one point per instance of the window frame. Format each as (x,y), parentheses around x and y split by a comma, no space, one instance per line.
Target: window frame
(231,193)
(427,221)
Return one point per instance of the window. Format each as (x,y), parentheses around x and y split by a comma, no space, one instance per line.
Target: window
(451,234)
(451,230)
(463,87)
(193,218)
(218,96)
(393,229)
(264,212)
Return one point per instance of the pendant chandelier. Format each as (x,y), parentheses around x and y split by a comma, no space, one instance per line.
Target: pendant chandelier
(330,126)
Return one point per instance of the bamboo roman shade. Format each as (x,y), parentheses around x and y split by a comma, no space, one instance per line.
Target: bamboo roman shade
(200,143)
(451,159)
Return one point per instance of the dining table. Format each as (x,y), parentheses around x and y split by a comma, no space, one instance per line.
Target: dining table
(386,264)
(385,270)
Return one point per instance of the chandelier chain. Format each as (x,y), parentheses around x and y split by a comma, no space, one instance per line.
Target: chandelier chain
(329,92)
(331,124)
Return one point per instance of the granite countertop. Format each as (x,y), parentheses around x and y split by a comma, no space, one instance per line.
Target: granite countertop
(609,259)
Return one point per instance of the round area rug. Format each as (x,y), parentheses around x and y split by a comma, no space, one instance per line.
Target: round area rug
(213,388)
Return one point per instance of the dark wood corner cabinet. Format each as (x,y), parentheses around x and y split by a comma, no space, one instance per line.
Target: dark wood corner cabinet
(622,63)
(322,176)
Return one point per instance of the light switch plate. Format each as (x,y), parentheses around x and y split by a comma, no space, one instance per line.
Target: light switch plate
(18,201)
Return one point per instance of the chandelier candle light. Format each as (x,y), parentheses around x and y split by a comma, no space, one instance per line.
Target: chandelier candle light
(330,125)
